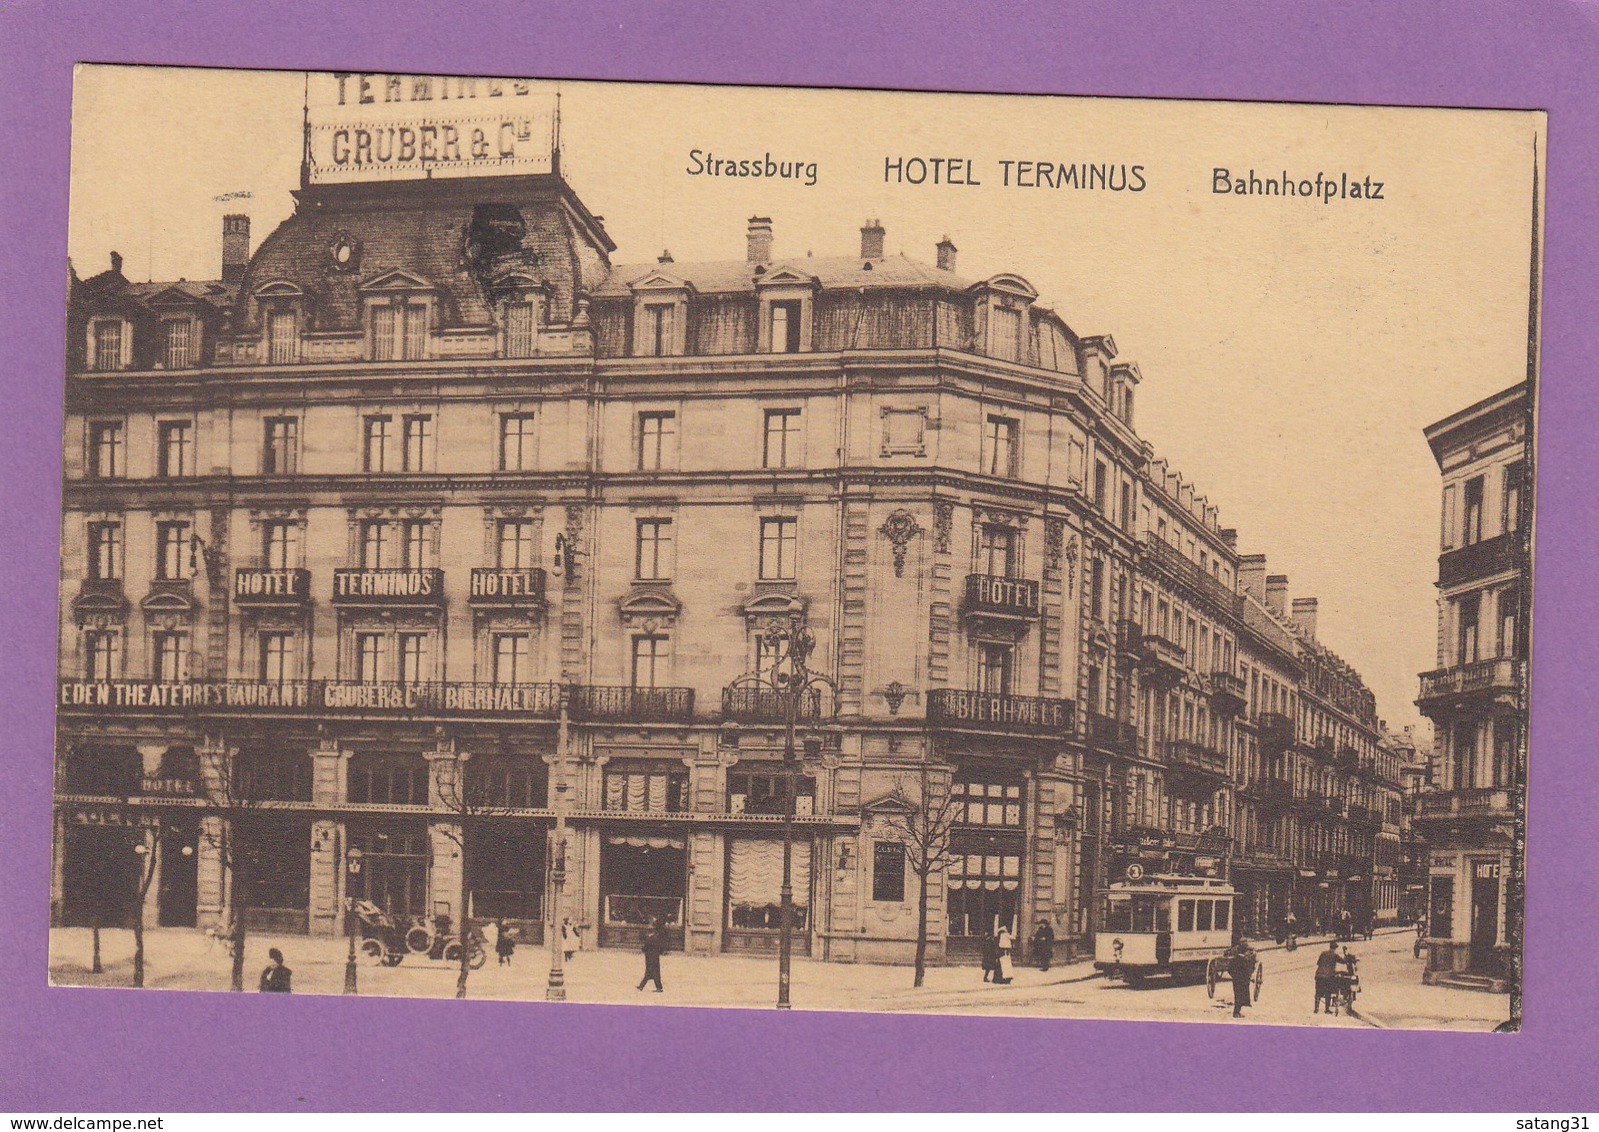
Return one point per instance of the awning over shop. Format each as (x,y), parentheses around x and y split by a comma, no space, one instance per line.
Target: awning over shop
(640,842)
(755,872)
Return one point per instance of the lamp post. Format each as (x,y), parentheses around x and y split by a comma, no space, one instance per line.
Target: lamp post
(555,990)
(353,865)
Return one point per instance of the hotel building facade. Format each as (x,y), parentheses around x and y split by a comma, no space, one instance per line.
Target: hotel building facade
(426,514)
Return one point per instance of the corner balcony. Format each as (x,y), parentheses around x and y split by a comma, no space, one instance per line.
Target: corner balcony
(1194,768)
(1228,693)
(1163,661)
(494,588)
(271,589)
(1112,735)
(1481,686)
(1481,560)
(596,704)
(1441,809)
(1001,598)
(1274,733)
(994,711)
(388,587)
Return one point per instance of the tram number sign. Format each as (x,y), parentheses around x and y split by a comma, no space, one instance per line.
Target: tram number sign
(1135,872)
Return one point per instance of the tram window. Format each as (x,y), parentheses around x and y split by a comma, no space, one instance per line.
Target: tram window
(1223,909)
(1202,921)
(1162,915)
(1118,914)
(1185,915)
(1143,916)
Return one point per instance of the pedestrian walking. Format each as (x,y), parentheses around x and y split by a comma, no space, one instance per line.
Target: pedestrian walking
(1326,976)
(1346,925)
(569,939)
(654,944)
(276,978)
(1004,942)
(1241,962)
(990,956)
(1044,944)
(504,944)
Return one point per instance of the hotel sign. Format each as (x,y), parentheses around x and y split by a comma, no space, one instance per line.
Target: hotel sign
(425,587)
(507,587)
(271,587)
(369,126)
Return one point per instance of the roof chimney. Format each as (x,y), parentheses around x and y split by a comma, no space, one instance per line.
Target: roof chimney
(116,263)
(1252,576)
(872,240)
(1277,594)
(1305,616)
(235,246)
(665,256)
(946,255)
(760,239)
(1229,538)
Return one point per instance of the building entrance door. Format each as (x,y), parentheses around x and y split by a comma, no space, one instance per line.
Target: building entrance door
(1484,914)
(180,872)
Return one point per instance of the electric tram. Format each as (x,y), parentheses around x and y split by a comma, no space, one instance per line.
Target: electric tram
(1165,925)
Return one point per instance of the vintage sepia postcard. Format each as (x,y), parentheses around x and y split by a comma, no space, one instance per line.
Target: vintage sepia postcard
(840,550)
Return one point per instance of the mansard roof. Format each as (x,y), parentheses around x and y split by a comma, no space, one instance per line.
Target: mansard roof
(715,277)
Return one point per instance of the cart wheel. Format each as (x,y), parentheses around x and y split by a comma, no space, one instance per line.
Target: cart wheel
(372,949)
(418,939)
(1260,979)
(476,957)
(1210,978)
(452,953)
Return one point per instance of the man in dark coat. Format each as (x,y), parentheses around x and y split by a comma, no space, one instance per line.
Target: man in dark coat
(990,956)
(654,944)
(276,978)
(1044,944)
(1241,967)
(1326,976)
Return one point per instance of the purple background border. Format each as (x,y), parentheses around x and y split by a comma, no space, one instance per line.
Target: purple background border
(84,1050)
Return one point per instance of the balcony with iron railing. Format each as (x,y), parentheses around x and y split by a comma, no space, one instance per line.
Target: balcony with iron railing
(1162,660)
(991,595)
(1347,758)
(1491,802)
(1130,637)
(1187,755)
(1204,586)
(1112,735)
(597,704)
(750,703)
(270,588)
(399,586)
(1228,693)
(1274,733)
(994,711)
(1322,747)
(1498,681)
(1481,559)
(1271,793)
(1363,816)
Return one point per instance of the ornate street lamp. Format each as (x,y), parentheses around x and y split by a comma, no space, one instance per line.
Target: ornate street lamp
(353,865)
(555,990)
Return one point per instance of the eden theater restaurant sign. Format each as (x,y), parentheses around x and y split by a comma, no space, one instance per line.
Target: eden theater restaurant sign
(364,126)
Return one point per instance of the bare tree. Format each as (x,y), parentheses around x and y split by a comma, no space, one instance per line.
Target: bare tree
(147,843)
(238,839)
(923,824)
(468,795)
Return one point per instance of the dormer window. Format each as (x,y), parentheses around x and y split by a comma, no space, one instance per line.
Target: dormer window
(660,316)
(1005,336)
(1007,301)
(283,336)
(108,338)
(521,328)
(786,327)
(178,349)
(659,329)
(399,331)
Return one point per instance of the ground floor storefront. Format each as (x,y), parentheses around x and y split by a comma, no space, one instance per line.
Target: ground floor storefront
(1467,905)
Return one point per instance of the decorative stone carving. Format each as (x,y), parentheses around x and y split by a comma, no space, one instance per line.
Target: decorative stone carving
(1054,537)
(899,528)
(943,521)
(1071,564)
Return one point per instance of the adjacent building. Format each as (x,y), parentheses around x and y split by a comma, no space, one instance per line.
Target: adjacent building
(427,523)
(1477,696)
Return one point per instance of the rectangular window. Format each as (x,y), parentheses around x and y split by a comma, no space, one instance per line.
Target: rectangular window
(514,546)
(105,551)
(993,668)
(521,330)
(277,657)
(639,787)
(415,328)
(1001,437)
(385,331)
(172,547)
(1509,623)
(369,657)
(781,447)
(1473,529)
(657,441)
(107,345)
(171,657)
(1512,497)
(399,330)
(175,453)
(280,448)
(1441,913)
(888,872)
(786,327)
(1185,915)
(1468,610)
(754,792)
(418,452)
(280,544)
(1126,517)
(414,667)
(513,658)
(650,661)
(283,343)
(516,442)
(178,353)
(779,543)
(106,450)
(654,556)
(375,443)
(1100,475)
(987,803)
(395,780)
(996,548)
(1096,588)
(1007,334)
(416,533)
(374,544)
(102,654)
(660,325)
(1446,535)
(1202,915)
